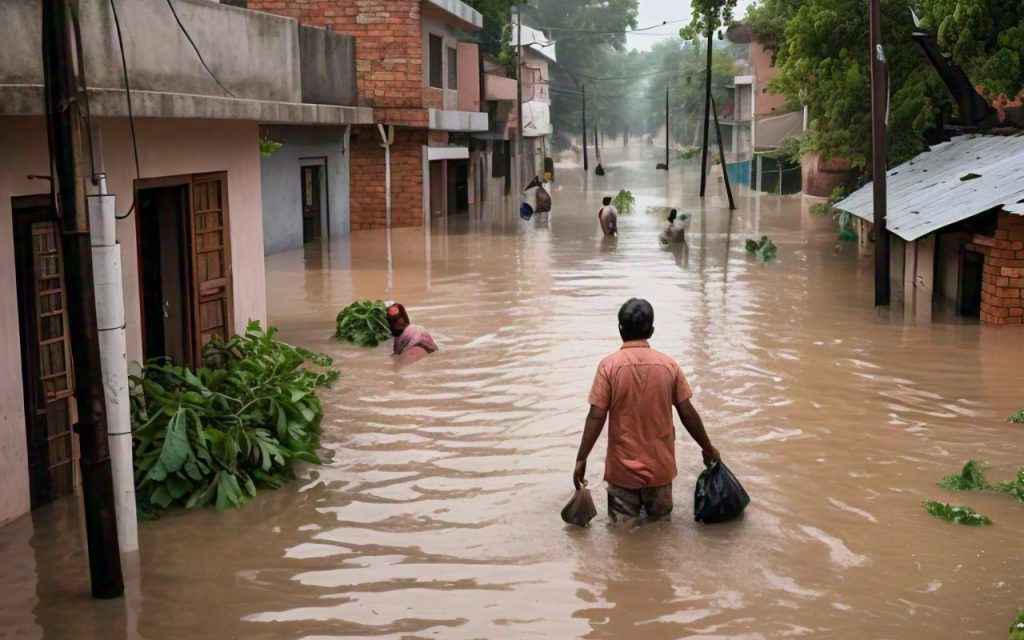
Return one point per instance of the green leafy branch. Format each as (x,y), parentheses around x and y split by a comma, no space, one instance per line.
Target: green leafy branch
(213,436)
(957,514)
(364,323)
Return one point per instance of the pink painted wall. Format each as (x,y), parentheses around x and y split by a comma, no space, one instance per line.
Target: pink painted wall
(764,72)
(499,87)
(469,76)
(166,148)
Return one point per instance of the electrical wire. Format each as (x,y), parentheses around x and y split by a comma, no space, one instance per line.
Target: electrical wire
(611,31)
(194,47)
(131,115)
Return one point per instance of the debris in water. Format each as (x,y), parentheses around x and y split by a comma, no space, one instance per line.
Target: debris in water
(1017,418)
(624,201)
(364,323)
(956,513)
(764,250)
(970,478)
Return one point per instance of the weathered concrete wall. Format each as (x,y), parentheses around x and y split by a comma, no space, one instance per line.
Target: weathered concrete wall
(167,148)
(282,184)
(328,63)
(254,55)
(389,61)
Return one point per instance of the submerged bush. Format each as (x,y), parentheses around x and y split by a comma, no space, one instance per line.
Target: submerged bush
(957,514)
(364,323)
(624,201)
(1017,626)
(764,250)
(1017,418)
(213,436)
(970,478)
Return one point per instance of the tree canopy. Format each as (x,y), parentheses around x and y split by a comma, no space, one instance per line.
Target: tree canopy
(821,50)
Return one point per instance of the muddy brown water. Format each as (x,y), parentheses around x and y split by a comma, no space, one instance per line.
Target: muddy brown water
(436,514)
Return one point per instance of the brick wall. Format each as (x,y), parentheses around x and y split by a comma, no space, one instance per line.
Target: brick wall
(389,44)
(1002,280)
(367,192)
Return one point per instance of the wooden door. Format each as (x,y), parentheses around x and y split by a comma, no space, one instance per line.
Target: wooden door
(45,353)
(311,203)
(210,251)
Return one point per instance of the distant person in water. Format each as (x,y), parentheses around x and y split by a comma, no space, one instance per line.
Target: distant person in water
(412,341)
(673,232)
(608,216)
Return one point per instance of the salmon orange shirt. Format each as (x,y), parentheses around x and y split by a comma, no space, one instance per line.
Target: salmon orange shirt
(639,387)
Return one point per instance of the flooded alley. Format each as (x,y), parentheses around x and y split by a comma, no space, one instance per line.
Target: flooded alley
(436,511)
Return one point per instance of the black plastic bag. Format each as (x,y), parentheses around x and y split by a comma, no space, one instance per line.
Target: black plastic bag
(719,496)
(543,200)
(580,510)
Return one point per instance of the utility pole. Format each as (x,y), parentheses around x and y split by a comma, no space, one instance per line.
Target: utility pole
(667,129)
(586,164)
(721,156)
(879,115)
(519,93)
(66,162)
(707,114)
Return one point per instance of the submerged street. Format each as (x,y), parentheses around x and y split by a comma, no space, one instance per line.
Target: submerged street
(436,512)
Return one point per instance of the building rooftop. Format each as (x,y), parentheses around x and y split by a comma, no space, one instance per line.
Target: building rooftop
(468,16)
(950,182)
(534,40)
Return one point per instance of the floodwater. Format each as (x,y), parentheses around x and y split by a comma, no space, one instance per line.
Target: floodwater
(436,514)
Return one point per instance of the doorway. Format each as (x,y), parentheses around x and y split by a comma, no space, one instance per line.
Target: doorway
(458,186)
(184,265)
(313,201)
(971,267)
(437,189)
(45,349)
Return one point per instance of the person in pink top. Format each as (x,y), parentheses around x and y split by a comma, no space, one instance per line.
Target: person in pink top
(412,341)
(638,387)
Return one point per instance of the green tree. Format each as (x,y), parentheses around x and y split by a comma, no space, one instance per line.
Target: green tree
(497,15)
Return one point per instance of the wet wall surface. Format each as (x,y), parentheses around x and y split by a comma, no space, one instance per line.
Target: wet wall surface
(436,513)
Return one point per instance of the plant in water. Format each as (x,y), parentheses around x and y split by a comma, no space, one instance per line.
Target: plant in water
(1017,626)
(364,323)
(1014,487)
(624,201)
(763,249)
(215,435)
(957,514)
(970,478)
(1017,418)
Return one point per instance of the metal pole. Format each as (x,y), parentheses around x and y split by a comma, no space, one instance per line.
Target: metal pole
(667,129)
(519,92)
(66,158)
(878,115)
(707,116)
(721,156)
(586,163)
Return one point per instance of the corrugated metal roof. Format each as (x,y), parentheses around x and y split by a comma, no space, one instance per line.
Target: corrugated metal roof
(936,188)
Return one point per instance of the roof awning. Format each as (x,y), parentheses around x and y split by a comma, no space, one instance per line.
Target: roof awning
(771,131)
(951,182)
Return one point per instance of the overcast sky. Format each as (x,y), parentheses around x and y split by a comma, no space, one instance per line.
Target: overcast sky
(654,11)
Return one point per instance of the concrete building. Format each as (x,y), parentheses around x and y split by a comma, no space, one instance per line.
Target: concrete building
(756,123)
(537,52)
(956,215)
(192,244)
(494,146)
(419,69)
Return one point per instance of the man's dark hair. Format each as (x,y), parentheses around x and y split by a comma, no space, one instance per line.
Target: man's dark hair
(607,201)
(672,216)
(636,320)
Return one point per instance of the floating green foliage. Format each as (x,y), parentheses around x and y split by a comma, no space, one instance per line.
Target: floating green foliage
(1017,626)
(624,201)
(1014,487)
(957,514)
(764,250)
(364,323)
(1017,418)
(970,478)
(268,147)
(213,436)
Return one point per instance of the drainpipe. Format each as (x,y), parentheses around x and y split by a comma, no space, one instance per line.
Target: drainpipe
(110,316)
(387,134)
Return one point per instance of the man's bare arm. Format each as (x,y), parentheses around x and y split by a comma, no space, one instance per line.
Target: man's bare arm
(591,431)
(695,427)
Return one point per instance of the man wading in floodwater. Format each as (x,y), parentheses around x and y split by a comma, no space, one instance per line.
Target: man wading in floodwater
(639,386)
(412,341)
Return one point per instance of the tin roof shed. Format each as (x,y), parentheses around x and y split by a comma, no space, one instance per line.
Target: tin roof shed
(952,181)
